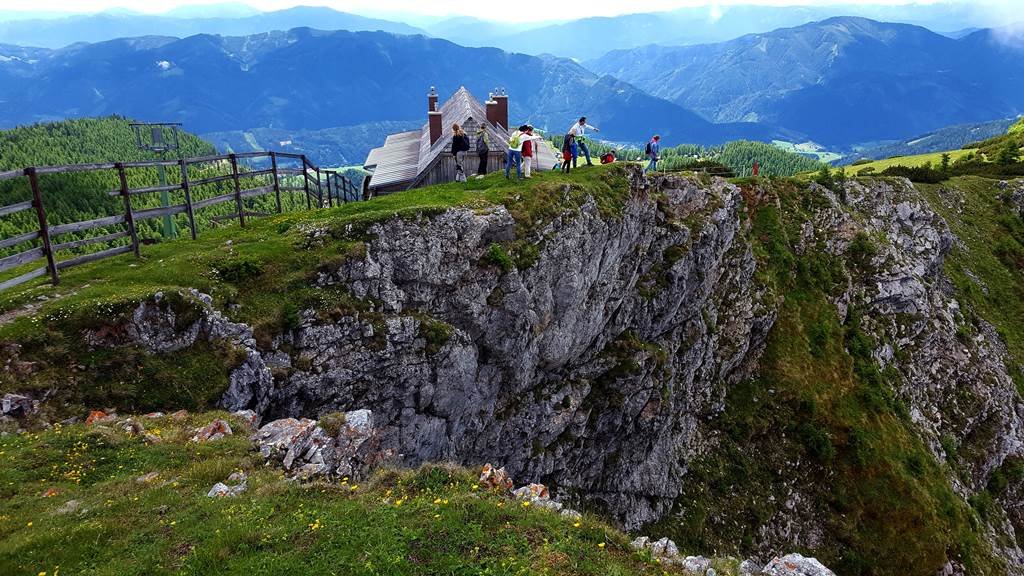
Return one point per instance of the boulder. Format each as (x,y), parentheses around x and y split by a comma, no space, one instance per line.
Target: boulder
(213,431)
(132,427)
(495,478)
(304,449)
(239,482)
(295,444)
(18,405)
(666,552)
(532,492)
(749,568)
(796,565)
(98,416)
(696,564)
(249,417)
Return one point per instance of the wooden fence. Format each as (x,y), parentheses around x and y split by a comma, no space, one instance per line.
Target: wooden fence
(320,188)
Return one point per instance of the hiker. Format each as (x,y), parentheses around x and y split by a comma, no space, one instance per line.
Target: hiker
(460,145)
(652,151)
(756,168)
(579,131)
(482,150)
(608,157)
(515,150)
(568,143)
(528,147)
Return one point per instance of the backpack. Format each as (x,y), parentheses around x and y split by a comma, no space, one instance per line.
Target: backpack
(648,149)
(514,141)
(481,143)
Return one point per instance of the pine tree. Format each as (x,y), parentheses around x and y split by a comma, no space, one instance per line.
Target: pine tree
(1009,153)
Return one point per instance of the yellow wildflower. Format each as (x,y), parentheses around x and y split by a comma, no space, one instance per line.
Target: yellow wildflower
(601,545)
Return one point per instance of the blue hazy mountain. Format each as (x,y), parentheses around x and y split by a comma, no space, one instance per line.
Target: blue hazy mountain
(307,80)
(59,32)
(584,38)
(588,38)
(842,81)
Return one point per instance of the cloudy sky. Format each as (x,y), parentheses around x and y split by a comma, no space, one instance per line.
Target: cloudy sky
(518,10)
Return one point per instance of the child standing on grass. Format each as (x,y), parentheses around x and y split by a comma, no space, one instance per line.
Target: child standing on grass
(568,144)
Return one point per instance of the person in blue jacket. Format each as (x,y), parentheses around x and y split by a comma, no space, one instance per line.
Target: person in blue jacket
(653,152)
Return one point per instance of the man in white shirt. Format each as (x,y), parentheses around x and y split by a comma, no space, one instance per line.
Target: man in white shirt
(579,130)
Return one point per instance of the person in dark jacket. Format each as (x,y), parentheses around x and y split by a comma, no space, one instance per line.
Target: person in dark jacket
(482,149)
(568,146)
(460,145)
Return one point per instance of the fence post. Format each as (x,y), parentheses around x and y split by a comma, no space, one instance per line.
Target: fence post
(129,218)
(305,181)
(188,197)
(319,189)
(44,229)
(277,182)
(238,189)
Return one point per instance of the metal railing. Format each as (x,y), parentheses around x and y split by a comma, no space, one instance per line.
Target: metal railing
(46,242)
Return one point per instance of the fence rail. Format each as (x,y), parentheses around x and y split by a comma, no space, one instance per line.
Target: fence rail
(339,189)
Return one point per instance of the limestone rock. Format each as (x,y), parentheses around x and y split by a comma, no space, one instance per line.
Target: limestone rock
(250,417)
(213,431)
(17,405)
(239,483)
(495,478)
(304,449)
(796,565)
(749,567)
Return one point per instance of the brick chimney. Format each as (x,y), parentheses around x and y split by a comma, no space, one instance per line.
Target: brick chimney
(432,100)
(501,114)
(492,109)
(434,121)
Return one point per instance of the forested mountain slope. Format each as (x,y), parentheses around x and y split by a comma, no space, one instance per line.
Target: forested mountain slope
(81,196)
(841,81)
(214,83)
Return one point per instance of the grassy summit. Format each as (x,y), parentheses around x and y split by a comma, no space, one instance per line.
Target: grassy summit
(77,500)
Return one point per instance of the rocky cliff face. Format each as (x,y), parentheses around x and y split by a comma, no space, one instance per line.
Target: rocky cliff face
(598,367)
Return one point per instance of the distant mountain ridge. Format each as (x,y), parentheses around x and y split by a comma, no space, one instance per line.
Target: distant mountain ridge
(104,26)
(305,79)
(842,80)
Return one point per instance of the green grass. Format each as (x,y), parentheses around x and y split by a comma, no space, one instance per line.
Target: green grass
(434,520)
(935,158)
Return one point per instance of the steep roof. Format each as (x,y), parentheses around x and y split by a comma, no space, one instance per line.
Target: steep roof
(408,155)
(461,108)
(396,161)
